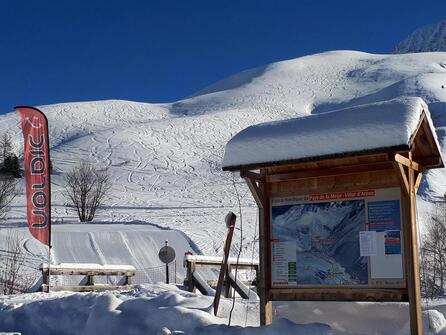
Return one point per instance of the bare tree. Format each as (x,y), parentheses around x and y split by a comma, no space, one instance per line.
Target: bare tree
(9,162)
(433,255)
(5,146)
(7,193)
(12,276)
(86,188)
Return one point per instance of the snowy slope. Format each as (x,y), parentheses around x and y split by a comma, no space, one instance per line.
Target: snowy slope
(165,159)
(428,38)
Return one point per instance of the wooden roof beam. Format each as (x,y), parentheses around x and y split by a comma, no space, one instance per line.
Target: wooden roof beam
(329,172)
(255,189)
(402,176)
(407,162)
(251,175)
(418,178)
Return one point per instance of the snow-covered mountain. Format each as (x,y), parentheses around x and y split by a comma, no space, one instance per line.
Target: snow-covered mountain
(165,159)
(424,39)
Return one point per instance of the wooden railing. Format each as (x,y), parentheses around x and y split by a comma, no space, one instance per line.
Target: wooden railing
(195,281)
(90,271)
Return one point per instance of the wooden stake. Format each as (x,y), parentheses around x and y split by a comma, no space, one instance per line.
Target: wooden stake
(230,223)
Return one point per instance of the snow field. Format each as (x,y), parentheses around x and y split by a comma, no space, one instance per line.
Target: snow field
(165,165)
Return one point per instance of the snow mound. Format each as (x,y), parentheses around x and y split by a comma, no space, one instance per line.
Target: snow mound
(428,38)
(388,124)
(147,310)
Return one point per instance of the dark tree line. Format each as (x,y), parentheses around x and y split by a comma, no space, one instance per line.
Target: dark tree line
(9,170)
(9,162)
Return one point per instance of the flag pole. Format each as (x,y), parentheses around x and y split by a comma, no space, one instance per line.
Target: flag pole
(49,201)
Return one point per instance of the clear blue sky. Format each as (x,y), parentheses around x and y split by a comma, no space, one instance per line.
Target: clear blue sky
(161,51)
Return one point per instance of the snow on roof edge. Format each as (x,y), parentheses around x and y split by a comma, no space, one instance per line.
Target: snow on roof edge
(363,129)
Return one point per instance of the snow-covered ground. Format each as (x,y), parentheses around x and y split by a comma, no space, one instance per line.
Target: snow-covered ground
(148,309)
(156,309)
(165,159)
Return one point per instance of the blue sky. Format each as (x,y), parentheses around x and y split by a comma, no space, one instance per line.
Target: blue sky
(161,51)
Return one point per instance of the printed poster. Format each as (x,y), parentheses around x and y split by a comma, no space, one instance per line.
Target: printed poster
(341,238)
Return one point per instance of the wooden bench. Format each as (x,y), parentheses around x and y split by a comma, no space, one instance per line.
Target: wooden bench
(90,271)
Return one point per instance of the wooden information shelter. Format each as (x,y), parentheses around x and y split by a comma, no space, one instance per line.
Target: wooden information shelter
(395,155)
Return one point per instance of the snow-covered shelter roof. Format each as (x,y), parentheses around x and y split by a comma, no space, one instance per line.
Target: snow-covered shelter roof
(387,126)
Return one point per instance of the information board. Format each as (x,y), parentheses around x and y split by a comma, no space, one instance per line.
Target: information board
(345,239)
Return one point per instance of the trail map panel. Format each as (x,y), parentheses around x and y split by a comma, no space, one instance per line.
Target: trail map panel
(337,239)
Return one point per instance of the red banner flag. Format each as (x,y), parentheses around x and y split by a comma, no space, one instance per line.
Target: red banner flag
(37,172)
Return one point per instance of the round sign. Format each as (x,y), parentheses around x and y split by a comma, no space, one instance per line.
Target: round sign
(166,254)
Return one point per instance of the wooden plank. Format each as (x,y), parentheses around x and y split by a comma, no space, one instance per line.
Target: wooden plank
(228,292)
(251,175)
(416,323)
(212,260)
(402,177)
(217,265)
(407,162)
(89,288)
(189,276)
(430,162)
(90,280)
(432,144)
(371,180)
(92,272)
(339,294)
(268,308)
(418,178)
(238,286)
(214,282)
(264,267)
(330,162)
(328,172)
(256,192)
(201,284)
(224,263)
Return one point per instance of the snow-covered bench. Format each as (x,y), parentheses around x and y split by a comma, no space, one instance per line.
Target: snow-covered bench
(90,271)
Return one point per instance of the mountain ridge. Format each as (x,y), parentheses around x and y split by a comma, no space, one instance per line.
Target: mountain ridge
(428,38)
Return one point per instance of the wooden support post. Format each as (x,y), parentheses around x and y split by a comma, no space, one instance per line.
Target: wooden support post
(264,279)
(128,279)
(402,177)
(228,288)
(45,279)
(256,192)
(90,279)
(45,275)
(257,275)
(413,273)
(189,275)
(418,179)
